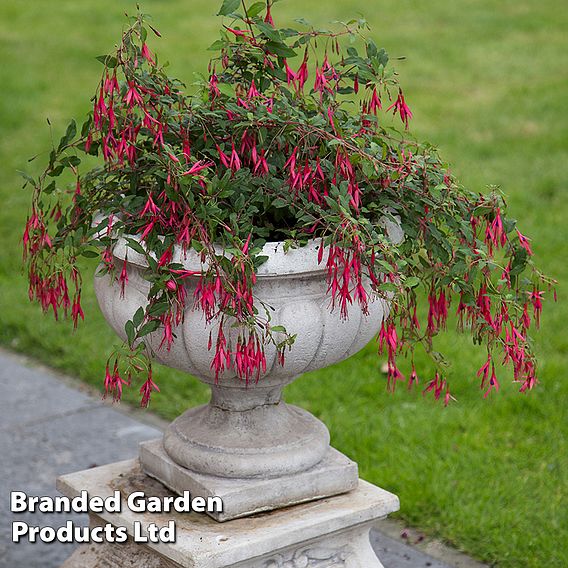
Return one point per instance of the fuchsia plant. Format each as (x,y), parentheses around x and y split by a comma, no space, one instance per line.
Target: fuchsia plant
(285,140)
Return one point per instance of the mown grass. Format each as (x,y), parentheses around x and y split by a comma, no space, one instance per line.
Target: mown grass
(487,81)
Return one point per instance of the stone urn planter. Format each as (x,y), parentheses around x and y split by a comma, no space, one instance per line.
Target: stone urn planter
(247,445)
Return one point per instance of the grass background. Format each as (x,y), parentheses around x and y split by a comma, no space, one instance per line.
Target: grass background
(487,81)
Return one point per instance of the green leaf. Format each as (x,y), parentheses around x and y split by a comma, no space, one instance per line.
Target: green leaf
(412,282)
(256,9)
(228,7)
(269,31)
(279,203)
(69,135)
(281,49)
(149,327)
(158,309)
(227,89)
(130,331)
(138,317)
(136,246)
(108,61)
(90,253)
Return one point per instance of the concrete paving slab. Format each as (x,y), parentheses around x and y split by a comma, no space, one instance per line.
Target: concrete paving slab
(47,429)
(29,395)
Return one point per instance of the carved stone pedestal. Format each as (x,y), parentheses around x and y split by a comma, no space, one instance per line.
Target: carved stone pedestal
(327,533)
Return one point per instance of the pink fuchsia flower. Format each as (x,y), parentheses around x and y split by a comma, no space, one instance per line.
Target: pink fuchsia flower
(401,107)
(375,103)
(253,91)
(493,382)
(268,18)
(123,278)
(77,311)
(133,97)
(239,33)
(524,242)
(197,167)
(147,388)
(147,54)
(536,297)
(413,378)
(290,75)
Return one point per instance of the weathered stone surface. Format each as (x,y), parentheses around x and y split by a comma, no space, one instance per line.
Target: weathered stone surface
(106,555)
(330,532)
(333,475)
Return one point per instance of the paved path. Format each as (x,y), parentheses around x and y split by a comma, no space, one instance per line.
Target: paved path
(49,427)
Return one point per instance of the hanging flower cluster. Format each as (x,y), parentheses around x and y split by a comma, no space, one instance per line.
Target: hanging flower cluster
(288,138)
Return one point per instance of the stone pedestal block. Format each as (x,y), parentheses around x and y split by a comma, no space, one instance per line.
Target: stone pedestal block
(334,474)
(327,533)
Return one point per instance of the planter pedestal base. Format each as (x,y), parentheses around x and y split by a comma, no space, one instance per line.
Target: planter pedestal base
(241,497)
(327,533)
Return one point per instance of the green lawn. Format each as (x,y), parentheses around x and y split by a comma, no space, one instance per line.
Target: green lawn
(487,81)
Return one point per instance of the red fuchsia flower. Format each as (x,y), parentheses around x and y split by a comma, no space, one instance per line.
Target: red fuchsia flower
(499,235)
(375,104)
(114,382)
(222,358)
(299,78)
(186,149)
(253,91)
(536,297)
(77,311)
(493,382)
(239,33)
(484,370)
(147,230)
(249,357)
(168,335)
(437,384)
(225,160)
(111,84)
(166,257)
(205,297)
(393,375)
(123,278)
(356,84)
(401,107)
(147,54)
(437,312)
(483,302)
(268,18)
(413,378)
(506,275)
(185,273)
(235,162)
(290,75)
(321,82)
(199,166)
(214,91)
(524,242)
(261,168)
(171,285)
(133,97)
(525,318)
(147,388)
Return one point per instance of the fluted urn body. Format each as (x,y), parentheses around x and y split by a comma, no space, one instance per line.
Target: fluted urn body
(247,431)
